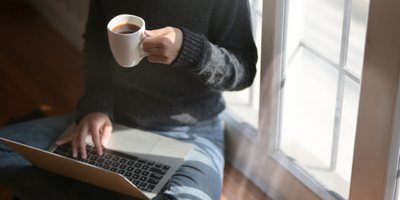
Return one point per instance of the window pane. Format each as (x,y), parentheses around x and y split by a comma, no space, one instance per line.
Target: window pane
(347,129)
(323,54)
(357,35)
(309,110)
(323,26)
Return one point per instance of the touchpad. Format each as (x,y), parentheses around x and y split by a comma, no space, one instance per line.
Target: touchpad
(129,140)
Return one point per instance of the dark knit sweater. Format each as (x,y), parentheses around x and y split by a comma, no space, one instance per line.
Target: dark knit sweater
(218,54)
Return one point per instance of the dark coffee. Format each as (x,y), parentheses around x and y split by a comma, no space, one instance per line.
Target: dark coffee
(126,28)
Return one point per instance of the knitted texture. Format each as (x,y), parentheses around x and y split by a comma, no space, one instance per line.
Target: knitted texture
(218,54)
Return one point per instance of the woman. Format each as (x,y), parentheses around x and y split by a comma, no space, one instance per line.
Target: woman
(197,49)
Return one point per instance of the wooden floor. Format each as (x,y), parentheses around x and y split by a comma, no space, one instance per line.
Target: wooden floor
(40,73)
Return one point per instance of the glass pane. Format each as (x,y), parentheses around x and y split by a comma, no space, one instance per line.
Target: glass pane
(308,110)
(357,35)
(323,26)
(347,129)
(323,54)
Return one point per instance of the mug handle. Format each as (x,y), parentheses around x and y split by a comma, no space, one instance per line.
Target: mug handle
(142,53)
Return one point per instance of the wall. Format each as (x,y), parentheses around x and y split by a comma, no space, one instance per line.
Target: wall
(67,16)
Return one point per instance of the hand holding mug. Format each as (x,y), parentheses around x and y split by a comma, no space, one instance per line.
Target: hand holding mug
(163,45)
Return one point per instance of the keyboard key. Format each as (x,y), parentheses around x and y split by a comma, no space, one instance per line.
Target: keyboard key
(122,166)
(137,171)
(136,182)
(128,174)
(94,153)
(143,185)
(130,163)
(158,165)
(138,165)
(92,162)
(57,151)
(152,181)
(63,154)
(145,167)
(115,164)
(130,169)
(150,163)
(141,160)
(155,176)
(88,152)
(106,167)
(145,173)
(151,187)
(121,171)
(123,160)
(143,178)
(158,171)
(135,176)
(115,158)
(94,158)
(146,189)
(100,160)
(99,165)
(108,156)
(68,155)
(63,149)
(108,162)
(166,167)
(113,169)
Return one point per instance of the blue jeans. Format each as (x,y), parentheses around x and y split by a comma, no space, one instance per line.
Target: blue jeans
(199,177)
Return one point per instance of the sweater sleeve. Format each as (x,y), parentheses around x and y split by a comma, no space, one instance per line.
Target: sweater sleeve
(98,95)
(226,59)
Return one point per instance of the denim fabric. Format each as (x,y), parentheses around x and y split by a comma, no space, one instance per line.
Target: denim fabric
(199,177)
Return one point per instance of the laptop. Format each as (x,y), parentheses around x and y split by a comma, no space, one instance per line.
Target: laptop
(136,163)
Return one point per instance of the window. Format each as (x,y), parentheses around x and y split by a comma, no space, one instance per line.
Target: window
(323,55)
(371,81)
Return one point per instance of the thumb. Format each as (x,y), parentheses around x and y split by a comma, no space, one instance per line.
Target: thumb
(155,33)
(105,138)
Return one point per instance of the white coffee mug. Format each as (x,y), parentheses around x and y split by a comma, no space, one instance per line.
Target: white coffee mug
(127,48)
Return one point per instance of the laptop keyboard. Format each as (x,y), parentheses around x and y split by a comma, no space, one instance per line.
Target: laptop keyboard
(144,174)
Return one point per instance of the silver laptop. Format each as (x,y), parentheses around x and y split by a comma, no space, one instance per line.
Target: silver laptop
(135,162)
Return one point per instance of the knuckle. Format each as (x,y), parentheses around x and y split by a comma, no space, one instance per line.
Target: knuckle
(163,43)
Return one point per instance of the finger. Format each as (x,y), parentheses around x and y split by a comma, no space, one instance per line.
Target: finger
(158,32)
(74,145)
(95,131)
(159,59)
(105,138)
(80,141)
(161,43)
(153,50)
